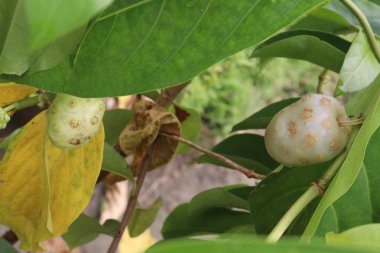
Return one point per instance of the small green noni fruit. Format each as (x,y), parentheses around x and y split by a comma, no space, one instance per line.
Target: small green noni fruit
(308,131)
(73,121)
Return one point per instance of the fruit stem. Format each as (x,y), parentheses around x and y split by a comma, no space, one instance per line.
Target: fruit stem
(353,122)
(225,160)
(366,27)
(311,193)
(30,101)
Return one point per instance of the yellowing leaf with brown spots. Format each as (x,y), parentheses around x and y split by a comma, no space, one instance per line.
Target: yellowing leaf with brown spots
(11,92)
(43,188)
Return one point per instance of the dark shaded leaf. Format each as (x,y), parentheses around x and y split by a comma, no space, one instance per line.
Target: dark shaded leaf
(217,220)
(246,150)
(324,20)
(261,119)
(270,200)
(323,49)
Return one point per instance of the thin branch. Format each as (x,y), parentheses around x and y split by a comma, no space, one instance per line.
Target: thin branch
(247,172)
(366,27)
(322,80)
(132,202)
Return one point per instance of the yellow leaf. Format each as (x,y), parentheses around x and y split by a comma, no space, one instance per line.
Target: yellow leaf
(11,92)
(45,188)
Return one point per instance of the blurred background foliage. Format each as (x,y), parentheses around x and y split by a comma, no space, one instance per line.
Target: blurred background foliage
(236,87)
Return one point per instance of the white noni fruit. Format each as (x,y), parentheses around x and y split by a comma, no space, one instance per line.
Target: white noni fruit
(308,131)
(73,121)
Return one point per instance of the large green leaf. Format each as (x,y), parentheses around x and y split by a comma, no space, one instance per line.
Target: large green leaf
(122,55)
(360,67)
(51,20)
(85,229)
(321,48)
(351,169)
(244,149)
(143,218)
(261,119)
(366,236)
(270,200)
(246,244)
(15,55)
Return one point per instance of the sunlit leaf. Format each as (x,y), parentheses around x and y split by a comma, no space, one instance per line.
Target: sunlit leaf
(45,188)
(366,236)
(360,67)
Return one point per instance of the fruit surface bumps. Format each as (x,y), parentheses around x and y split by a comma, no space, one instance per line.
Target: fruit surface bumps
(308,131)
(73,121)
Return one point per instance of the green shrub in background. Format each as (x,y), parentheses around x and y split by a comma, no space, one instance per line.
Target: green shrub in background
(238,86)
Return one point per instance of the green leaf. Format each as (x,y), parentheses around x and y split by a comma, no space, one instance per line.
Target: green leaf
(246,244)
(115,163)
(365,237)
(270,200)
(114,122)
(217,197)
(59,18)
(360,67)
(370,10)
(116,57)
(142,219)
(261,119)
(351,167)
(15,56)
(6,247)
(85,229)
(321,48)
(324,20)
(244,149)
(217,220)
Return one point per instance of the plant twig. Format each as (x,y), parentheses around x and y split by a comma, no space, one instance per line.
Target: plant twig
(366,27)
(169,94)
(322,80)
(311,193)
(131,205)
(245,171)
